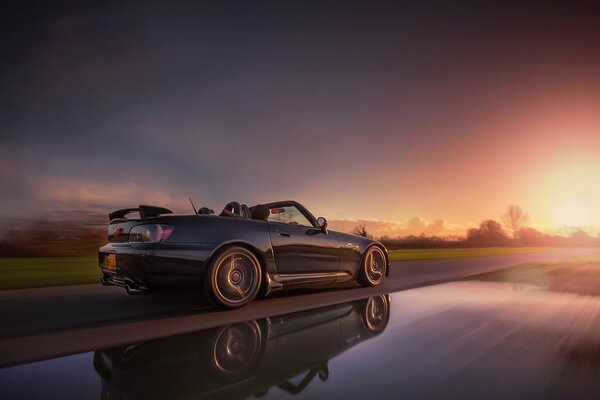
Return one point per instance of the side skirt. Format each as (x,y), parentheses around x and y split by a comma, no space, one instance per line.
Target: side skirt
(277,282)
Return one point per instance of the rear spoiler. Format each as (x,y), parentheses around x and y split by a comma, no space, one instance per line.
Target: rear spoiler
(145,212)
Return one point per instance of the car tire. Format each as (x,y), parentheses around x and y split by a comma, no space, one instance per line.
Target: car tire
(233,277)
(372,270)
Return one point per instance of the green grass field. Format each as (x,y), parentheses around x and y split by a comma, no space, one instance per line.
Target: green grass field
(429,254)
(17,273)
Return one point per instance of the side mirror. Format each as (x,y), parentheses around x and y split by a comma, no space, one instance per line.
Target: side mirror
(322,223)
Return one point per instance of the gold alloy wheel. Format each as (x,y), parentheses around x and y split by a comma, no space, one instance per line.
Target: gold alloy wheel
(236,277)
(374,265)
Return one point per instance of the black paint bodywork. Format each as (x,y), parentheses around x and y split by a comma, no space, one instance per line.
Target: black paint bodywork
(291,256)
(244,359)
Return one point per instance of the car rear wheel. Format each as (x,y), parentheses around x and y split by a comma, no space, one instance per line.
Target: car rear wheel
(372,270)
(233,277)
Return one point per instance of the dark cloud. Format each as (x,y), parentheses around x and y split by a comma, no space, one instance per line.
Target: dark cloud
(70,60)
(267,100)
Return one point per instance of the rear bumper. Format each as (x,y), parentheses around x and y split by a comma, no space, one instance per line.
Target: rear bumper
(148,267)
(131,287)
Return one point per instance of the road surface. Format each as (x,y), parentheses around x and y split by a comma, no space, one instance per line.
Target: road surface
(526,332)
(45,323)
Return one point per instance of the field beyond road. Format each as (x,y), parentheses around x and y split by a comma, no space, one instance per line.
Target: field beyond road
(19,273)
(430,254)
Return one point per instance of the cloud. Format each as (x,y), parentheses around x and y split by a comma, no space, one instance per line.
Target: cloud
(7,170)
(418,225)
(415,226)
(68,194)
(8,164)
(47,192)
(373,226)
(70,59)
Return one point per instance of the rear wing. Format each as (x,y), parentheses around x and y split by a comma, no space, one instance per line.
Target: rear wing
(144,211)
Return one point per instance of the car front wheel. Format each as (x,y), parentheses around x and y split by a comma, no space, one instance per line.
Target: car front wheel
(372,270)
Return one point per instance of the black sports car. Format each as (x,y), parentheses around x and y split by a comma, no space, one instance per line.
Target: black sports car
(232,256)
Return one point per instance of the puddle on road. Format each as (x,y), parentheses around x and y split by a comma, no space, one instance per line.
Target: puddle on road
(456,340)
(579,275)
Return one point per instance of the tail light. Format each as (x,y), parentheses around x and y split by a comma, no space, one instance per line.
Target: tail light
(150,233)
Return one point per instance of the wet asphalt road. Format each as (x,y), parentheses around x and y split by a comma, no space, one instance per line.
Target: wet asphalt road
(527,332)
(46,323)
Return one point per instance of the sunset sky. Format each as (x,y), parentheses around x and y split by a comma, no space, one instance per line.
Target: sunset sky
(405,117)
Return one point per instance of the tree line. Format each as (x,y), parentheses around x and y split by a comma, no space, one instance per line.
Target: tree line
(511,231)
(59,235)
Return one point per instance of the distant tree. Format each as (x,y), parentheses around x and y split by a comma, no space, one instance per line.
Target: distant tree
(532,237)
(72,235)
(489,233)
(513,218)
(581,238)
(360,230)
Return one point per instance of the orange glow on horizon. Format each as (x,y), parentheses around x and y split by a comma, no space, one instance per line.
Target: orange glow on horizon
(572,213)
(568,195)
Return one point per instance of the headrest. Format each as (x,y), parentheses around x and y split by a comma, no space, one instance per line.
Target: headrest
(245,211)
(232,209)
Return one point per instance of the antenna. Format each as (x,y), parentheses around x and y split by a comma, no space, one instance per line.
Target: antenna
(194,207)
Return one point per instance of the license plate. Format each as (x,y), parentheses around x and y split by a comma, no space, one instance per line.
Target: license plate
(110,262)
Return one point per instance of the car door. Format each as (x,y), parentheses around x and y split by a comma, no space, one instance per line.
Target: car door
(298,246)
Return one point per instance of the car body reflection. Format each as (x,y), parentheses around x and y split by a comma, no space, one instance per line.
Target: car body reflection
(243,359)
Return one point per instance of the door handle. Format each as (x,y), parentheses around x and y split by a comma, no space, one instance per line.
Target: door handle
(284,234)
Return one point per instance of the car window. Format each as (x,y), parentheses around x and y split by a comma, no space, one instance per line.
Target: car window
(288,215)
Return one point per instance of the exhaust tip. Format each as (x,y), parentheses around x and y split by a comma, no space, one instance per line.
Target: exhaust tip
(131,291)
(105,282)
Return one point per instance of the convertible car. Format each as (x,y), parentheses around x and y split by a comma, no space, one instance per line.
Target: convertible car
(232,257)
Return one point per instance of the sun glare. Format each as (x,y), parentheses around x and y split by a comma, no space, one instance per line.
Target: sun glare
(567,193)
(572,213)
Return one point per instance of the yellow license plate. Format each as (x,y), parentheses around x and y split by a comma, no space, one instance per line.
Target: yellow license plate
(110,262)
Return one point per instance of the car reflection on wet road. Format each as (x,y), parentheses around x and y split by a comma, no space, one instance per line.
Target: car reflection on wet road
(243,359)
(523,333)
